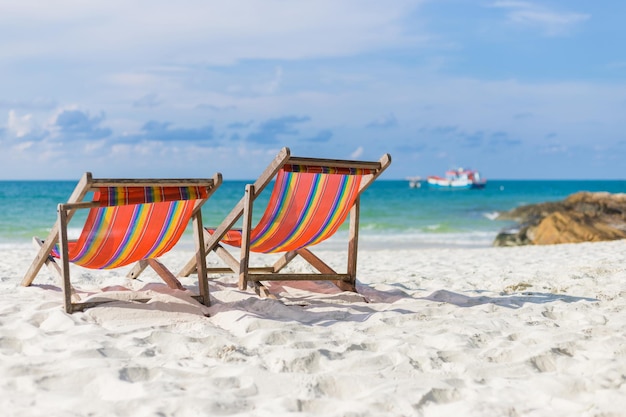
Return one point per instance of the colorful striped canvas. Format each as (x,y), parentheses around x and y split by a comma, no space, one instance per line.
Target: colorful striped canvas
(305,208)
(118,235)
(117,196)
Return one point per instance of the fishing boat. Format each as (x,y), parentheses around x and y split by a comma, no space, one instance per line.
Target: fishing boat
(414,182)
(459,178)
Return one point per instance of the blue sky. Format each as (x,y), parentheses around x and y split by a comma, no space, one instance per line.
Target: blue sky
(146,88)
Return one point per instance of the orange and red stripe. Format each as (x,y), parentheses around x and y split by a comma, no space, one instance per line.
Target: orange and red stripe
(307,205)
(133,223)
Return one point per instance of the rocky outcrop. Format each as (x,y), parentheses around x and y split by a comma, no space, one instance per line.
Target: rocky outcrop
(581,217)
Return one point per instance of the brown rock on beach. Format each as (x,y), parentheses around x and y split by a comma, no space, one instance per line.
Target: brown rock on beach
(581,217)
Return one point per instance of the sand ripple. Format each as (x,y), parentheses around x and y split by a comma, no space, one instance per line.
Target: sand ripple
(481,332)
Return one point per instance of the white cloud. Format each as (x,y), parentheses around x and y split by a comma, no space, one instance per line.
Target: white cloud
(551,22)
(20,126)
(23,146)
(157,61)
(384,122)
(204,31)
(273,85)
(358,152)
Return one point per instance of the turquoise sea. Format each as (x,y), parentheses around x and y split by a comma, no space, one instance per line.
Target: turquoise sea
(392,213)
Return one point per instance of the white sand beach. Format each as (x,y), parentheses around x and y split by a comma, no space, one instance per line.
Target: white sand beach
(524,331)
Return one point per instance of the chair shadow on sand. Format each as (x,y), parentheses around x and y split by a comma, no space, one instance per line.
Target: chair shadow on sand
(328,306)
(371,295)
(313,294)
(515,300)
(509,301)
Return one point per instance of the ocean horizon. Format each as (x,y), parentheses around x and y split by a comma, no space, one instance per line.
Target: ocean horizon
(392,213)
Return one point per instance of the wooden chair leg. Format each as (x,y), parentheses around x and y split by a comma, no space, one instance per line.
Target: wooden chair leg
(353,241)
(165,274)
(227,258)
(201,268)
(50,263)
(262,291)
(65,263)
(322,267)
(43,255)
(244,259)
(137,269)
(284,261)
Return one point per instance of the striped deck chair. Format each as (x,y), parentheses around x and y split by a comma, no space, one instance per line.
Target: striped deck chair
(310,200)
(129,221)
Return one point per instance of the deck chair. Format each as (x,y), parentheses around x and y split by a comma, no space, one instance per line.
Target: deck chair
(310,200)
(129,221)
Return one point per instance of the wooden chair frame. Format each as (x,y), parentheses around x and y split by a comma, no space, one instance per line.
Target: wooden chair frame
(76,202)
(241,267)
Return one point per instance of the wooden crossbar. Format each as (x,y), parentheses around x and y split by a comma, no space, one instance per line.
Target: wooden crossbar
(334,163)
